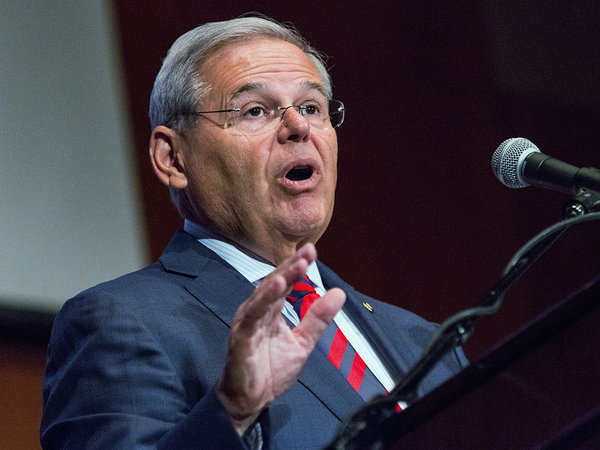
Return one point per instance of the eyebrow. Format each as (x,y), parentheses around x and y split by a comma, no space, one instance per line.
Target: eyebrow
(248,87)
(260,86)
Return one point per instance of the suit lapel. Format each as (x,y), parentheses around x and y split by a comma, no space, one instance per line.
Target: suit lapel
(373,326)
(222,289)
(224,296)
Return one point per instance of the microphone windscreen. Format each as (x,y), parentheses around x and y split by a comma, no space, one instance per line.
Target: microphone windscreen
(507,160)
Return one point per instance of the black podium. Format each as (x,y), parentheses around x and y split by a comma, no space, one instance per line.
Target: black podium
(540,388)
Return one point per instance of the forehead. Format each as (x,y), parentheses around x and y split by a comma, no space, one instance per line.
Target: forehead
(269,63)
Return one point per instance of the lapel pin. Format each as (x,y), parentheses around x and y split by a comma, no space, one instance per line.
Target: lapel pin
(368,306)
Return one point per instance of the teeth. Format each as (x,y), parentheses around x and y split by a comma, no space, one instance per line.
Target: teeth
(299,173)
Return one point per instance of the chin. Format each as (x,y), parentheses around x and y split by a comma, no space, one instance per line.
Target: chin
(307,228)
(305,217)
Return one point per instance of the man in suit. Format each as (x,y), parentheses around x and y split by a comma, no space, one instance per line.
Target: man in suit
(201,349)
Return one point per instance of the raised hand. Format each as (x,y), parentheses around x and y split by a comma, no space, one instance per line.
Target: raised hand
(265,356)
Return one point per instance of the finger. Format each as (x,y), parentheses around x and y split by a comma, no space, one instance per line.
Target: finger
(294,268)
(268,298)
(319,316)
(282,279)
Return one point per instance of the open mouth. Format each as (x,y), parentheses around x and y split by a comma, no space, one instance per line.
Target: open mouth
(299,173)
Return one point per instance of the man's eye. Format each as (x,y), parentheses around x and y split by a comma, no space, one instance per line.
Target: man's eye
(257,111)
(310,109)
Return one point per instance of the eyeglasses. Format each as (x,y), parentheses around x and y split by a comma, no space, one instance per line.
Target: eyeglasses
(257,119)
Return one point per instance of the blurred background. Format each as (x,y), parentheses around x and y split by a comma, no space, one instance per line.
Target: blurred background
(431,89)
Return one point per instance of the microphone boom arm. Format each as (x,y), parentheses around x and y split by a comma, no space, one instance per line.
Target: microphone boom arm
(361,429)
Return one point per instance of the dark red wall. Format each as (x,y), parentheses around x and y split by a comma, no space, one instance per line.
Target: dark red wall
(420,219)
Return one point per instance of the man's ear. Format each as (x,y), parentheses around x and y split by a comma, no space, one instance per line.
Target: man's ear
(166,157)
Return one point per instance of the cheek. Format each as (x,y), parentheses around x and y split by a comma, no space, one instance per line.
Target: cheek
(327,146)
(224,159)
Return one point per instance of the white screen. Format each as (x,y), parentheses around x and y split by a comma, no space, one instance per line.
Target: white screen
(69,196)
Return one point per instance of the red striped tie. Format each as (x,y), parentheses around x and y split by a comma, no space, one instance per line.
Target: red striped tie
(335,345)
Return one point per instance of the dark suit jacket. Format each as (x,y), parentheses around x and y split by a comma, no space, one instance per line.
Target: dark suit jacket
(133,363)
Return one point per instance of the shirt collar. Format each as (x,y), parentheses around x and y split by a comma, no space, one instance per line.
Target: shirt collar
(249,267)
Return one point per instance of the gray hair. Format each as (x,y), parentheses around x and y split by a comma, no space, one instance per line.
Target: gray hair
(179,86)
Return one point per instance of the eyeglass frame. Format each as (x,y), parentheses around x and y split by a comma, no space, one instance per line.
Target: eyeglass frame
(340,108)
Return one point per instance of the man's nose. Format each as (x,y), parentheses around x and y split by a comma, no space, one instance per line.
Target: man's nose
(294,126)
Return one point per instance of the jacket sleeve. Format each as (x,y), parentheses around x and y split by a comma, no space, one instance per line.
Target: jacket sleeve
(109,384)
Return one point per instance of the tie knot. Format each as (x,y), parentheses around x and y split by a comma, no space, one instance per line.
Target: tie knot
(301,288)
(302,296)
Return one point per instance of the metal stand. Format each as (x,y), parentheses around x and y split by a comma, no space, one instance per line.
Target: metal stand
(362,429)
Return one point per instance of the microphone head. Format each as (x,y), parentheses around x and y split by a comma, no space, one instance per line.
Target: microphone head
(507,161)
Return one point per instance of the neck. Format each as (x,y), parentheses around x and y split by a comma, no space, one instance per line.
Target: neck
(271,251)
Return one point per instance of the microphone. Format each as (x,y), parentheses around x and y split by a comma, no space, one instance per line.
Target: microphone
(518,163)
